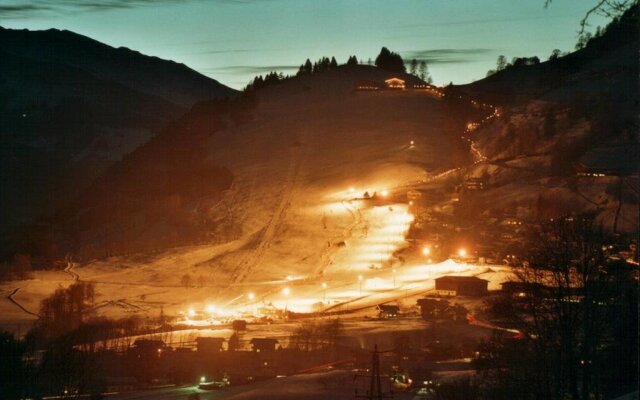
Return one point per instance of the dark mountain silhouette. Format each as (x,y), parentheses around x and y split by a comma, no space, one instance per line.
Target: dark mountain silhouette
(71,106)
(567,137)
(174,82)
(168,192)
(611,59)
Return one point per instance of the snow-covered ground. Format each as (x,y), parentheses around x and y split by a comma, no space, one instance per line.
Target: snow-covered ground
(300,235)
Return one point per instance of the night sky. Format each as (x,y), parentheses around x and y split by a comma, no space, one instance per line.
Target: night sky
(232,41)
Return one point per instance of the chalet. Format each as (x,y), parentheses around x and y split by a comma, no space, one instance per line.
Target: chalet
(387,311)
(209,344)
(395,83)
(475,184)
(611,161)
(461,285)
(434,309)
(263,345)
(148,348)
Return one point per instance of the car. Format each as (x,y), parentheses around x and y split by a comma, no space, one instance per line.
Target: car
(213,384)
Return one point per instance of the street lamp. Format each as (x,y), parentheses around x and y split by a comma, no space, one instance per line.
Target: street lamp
(462,253)
(286,291)
(251,296)
(426,251)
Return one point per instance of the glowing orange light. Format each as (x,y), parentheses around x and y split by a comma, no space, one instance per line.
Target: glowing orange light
(426,251)
(286,291)
(384,193)
(462,253)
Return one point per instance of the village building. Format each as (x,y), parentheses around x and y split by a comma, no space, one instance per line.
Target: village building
(475,184)
(387,311)
(263,345)
(209,344)
(395,83)
(611,161)
(461,286)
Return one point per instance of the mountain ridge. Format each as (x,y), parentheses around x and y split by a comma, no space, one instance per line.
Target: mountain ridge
(70,106)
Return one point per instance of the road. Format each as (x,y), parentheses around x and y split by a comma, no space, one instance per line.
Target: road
(20,306)
(173,393)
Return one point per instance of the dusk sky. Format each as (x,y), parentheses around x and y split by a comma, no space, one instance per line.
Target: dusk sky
(232,41)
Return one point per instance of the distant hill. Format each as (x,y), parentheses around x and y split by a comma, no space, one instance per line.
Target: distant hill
(567,138)
(608,64)
(212,175)
(169,80)
(71,106)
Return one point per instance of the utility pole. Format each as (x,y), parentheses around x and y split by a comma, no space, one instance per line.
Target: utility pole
(375,384)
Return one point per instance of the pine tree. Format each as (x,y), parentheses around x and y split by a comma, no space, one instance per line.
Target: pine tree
(423,71)
(334,63)
(501,63)
(390,61)
(413,67)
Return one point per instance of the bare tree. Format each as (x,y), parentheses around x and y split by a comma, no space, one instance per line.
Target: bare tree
(572,296)
(605,8)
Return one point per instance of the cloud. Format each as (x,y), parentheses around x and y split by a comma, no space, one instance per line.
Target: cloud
(252,69)
(230,51)
(484,21)
(446,56)
(19,9)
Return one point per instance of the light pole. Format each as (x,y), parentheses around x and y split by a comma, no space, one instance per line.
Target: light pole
(286,291)
(394,278)
(251,296)
(360,282)
(324,292)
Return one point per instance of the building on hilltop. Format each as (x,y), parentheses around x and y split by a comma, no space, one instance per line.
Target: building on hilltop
(395,83)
